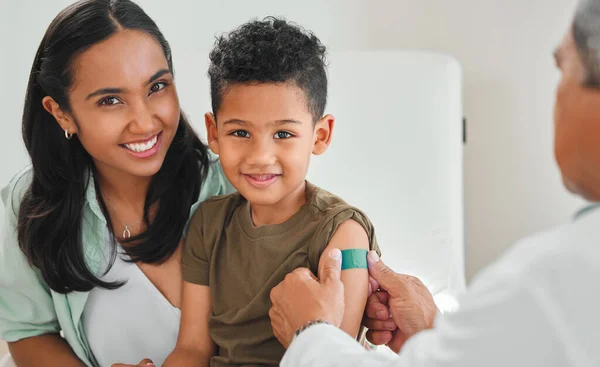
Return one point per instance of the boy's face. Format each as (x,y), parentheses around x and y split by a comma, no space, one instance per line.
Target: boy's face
(265,136)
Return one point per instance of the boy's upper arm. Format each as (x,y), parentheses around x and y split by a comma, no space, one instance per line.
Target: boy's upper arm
(194,259)
(196,305)
(195,312)
(351,235)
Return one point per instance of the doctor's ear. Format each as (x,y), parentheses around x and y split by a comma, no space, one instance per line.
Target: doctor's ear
(322,135)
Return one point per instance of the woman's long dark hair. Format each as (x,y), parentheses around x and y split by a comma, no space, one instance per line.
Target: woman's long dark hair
(50,214)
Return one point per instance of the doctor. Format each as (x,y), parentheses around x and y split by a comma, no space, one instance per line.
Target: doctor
(537,306)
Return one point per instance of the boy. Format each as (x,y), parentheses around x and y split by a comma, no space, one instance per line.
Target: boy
(269,90)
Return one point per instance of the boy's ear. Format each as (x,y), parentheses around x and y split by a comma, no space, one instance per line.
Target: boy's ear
(211,132)
(63,119)
(322,136)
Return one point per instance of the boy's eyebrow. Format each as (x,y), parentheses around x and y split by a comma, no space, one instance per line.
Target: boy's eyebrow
(277,122)
(235,122)
(287,121)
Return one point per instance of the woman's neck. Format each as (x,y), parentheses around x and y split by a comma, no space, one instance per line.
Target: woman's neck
(281,211)
(123,194)
(123,187)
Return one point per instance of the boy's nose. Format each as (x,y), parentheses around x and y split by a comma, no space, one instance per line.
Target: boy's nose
(261,154)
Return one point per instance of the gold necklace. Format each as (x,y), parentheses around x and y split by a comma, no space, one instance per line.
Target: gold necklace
(126,231)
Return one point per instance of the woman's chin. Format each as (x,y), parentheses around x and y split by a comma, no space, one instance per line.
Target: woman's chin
(146,170)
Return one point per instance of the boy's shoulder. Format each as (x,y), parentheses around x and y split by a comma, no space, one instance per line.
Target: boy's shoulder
(324,202)
(331,210)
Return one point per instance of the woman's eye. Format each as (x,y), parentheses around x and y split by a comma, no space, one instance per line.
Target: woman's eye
(109,101)
(282,135)
(241,134)
(157,86)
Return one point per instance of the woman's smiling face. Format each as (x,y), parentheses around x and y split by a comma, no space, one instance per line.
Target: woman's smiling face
(123,104)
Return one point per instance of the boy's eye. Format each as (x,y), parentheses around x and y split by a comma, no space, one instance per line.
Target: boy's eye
(241,134)
(109,101)
(157,86)
(282,135)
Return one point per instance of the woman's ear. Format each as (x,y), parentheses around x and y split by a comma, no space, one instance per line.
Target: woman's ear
(211,132)
(62,118)
(323,132)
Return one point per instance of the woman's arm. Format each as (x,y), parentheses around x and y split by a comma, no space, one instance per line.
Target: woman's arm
(47,350)
(194,346)
(28,321)
(351,235)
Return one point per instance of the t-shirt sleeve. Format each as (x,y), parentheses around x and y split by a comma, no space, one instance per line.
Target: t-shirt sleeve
(330,224)
(194,260)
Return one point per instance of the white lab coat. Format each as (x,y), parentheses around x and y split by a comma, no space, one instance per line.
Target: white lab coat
(539,305)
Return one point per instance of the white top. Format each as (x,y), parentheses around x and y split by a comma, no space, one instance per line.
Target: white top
(130,323)
(536,306)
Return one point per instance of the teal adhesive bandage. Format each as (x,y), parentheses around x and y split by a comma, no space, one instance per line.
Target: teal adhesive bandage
(354,259)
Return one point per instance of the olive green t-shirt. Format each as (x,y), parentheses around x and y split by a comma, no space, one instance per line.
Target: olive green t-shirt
(241,263)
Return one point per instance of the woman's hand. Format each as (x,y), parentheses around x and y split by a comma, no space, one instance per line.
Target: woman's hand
(146,362)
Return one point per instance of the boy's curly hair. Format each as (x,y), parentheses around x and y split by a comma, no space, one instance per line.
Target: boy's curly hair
(271,50)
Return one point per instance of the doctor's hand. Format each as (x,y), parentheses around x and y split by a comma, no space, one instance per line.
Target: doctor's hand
(301,298)
(409,302)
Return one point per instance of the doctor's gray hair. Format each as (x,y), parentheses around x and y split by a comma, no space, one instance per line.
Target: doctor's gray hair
(586,34)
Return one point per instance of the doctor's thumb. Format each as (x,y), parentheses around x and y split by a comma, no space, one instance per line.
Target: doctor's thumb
(388,279)
(331,267)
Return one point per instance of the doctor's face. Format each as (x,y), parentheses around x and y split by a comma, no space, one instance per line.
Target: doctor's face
(577,124)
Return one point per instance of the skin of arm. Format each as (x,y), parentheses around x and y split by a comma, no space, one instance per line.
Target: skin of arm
(351,235)
(194,346)
(52,349)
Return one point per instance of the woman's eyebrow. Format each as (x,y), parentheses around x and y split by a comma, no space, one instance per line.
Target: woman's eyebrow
(102,91)
(158,74)
(110,90)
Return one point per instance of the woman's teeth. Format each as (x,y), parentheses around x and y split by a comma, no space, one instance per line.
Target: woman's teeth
(142,147)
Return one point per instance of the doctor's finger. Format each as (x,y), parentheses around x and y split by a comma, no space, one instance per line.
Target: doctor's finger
(373,285)
(379,325)
(376,309)
(379,337)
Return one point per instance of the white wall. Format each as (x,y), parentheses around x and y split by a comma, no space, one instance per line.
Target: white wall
(511,184)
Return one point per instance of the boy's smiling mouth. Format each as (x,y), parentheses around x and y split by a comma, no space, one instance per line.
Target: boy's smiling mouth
(261,180)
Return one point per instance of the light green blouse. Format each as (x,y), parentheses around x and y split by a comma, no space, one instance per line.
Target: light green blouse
(27,306)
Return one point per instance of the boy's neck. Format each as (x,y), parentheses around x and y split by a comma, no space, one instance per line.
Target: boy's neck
(281,211)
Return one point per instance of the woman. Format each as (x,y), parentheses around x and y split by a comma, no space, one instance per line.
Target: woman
(92,231)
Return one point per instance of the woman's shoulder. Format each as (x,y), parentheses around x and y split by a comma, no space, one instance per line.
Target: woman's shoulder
(12,193)
(215,183)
